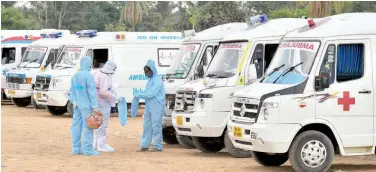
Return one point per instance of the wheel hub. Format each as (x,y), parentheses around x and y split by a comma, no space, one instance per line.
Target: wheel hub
(313,153)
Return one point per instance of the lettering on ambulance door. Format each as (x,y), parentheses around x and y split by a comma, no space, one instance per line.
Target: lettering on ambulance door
(344,91)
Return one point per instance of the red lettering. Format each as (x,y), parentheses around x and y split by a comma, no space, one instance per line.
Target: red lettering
(311,47)
(299,45)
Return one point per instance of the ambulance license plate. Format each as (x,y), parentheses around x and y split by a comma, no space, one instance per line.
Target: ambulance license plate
(39,95)
(179,120)
(11,92)
(238,132)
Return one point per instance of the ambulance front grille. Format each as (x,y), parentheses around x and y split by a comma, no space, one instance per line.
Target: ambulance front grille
(42,83)
(245,110)
(15,80)
(185,101)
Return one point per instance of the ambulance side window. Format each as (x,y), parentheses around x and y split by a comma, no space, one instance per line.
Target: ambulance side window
(328,64)
(258,60)
(350,62)
(166,56)
(52,57)
(100,57)
(8,55)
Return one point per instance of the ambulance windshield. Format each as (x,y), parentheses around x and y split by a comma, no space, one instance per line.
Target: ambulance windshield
(226,60)
(292,62)
(33,57)
(69,57)
(183,61)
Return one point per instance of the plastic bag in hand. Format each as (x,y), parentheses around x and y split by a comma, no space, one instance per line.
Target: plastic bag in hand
(122,111)
(134,106)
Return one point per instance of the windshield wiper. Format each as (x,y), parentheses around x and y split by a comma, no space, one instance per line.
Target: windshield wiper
(212,75)
(287,71)
(275,69)
(170,74)
(32,61)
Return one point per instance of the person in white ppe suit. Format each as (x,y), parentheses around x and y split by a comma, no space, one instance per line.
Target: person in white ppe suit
(106,99)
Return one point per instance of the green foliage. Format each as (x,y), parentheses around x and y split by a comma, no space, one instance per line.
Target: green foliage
(153,16)
(12,19)
(289,13)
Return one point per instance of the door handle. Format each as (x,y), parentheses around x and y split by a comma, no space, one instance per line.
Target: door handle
(365,92)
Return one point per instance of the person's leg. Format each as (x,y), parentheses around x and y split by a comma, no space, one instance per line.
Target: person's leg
(88,133)
(101,132)
(156,118)
(147,130)
(76,130)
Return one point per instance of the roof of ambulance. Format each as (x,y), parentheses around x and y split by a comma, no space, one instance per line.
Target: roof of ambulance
(272,28)
(217,32)
(103,38)
(339,25)
(65,39)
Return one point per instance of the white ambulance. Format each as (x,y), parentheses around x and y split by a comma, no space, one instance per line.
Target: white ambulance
(190,63)
(317,98)
(13,46)
(38,55)
(202,107)
(129,50)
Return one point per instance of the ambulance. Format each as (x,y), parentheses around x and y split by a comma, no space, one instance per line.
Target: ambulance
(190,63)
(13,46)
(129,50)
(38,55)
(317,98)
(202,107)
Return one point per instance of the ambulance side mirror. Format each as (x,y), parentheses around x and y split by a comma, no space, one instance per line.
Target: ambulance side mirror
(252,72)
(322,81)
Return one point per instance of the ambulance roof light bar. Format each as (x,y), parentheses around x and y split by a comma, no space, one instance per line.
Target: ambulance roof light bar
(187,33)
(87,33)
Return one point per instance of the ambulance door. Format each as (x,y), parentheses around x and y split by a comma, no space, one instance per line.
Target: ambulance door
(344,92)
(100,55)
(205,59)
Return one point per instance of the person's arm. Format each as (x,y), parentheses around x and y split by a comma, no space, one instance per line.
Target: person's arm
(92,91)
(103,88)
(72,94)
(152,91)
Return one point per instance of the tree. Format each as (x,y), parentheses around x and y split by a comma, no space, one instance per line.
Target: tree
(12,19)
(289,13)
(133,12)
(319,9)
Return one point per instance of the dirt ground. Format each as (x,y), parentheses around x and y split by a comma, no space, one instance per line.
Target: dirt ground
(34,140)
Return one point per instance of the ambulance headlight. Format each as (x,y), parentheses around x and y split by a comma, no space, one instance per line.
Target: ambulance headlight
(270,104)
(266,114)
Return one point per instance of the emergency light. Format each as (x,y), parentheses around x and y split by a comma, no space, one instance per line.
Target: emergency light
(51,35)
(28,36)
(120,36)
(259,19)
(187,33)
(87,33)
(311,23)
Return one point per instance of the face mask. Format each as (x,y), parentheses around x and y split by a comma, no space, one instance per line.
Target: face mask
(148,75)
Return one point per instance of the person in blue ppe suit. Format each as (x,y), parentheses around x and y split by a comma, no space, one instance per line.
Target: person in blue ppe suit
(154,96)
(83,95)
(106,99)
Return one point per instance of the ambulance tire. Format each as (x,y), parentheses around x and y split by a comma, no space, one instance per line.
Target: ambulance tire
(185,141)
(311,141)
(272,160)
(54,110)
(70,108)
(209,144)
(169,135)
(21,102)
(233,151)
(35,105)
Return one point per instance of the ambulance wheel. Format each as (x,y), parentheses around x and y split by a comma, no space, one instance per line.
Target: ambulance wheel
(233,151)
(35,105)
(209,144)
(266,159)
(169,135)
(54,110)
(70,108)
(311,151)
(185,141)
(22,102)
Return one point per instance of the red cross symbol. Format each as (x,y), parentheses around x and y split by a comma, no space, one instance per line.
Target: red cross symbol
(346,101)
